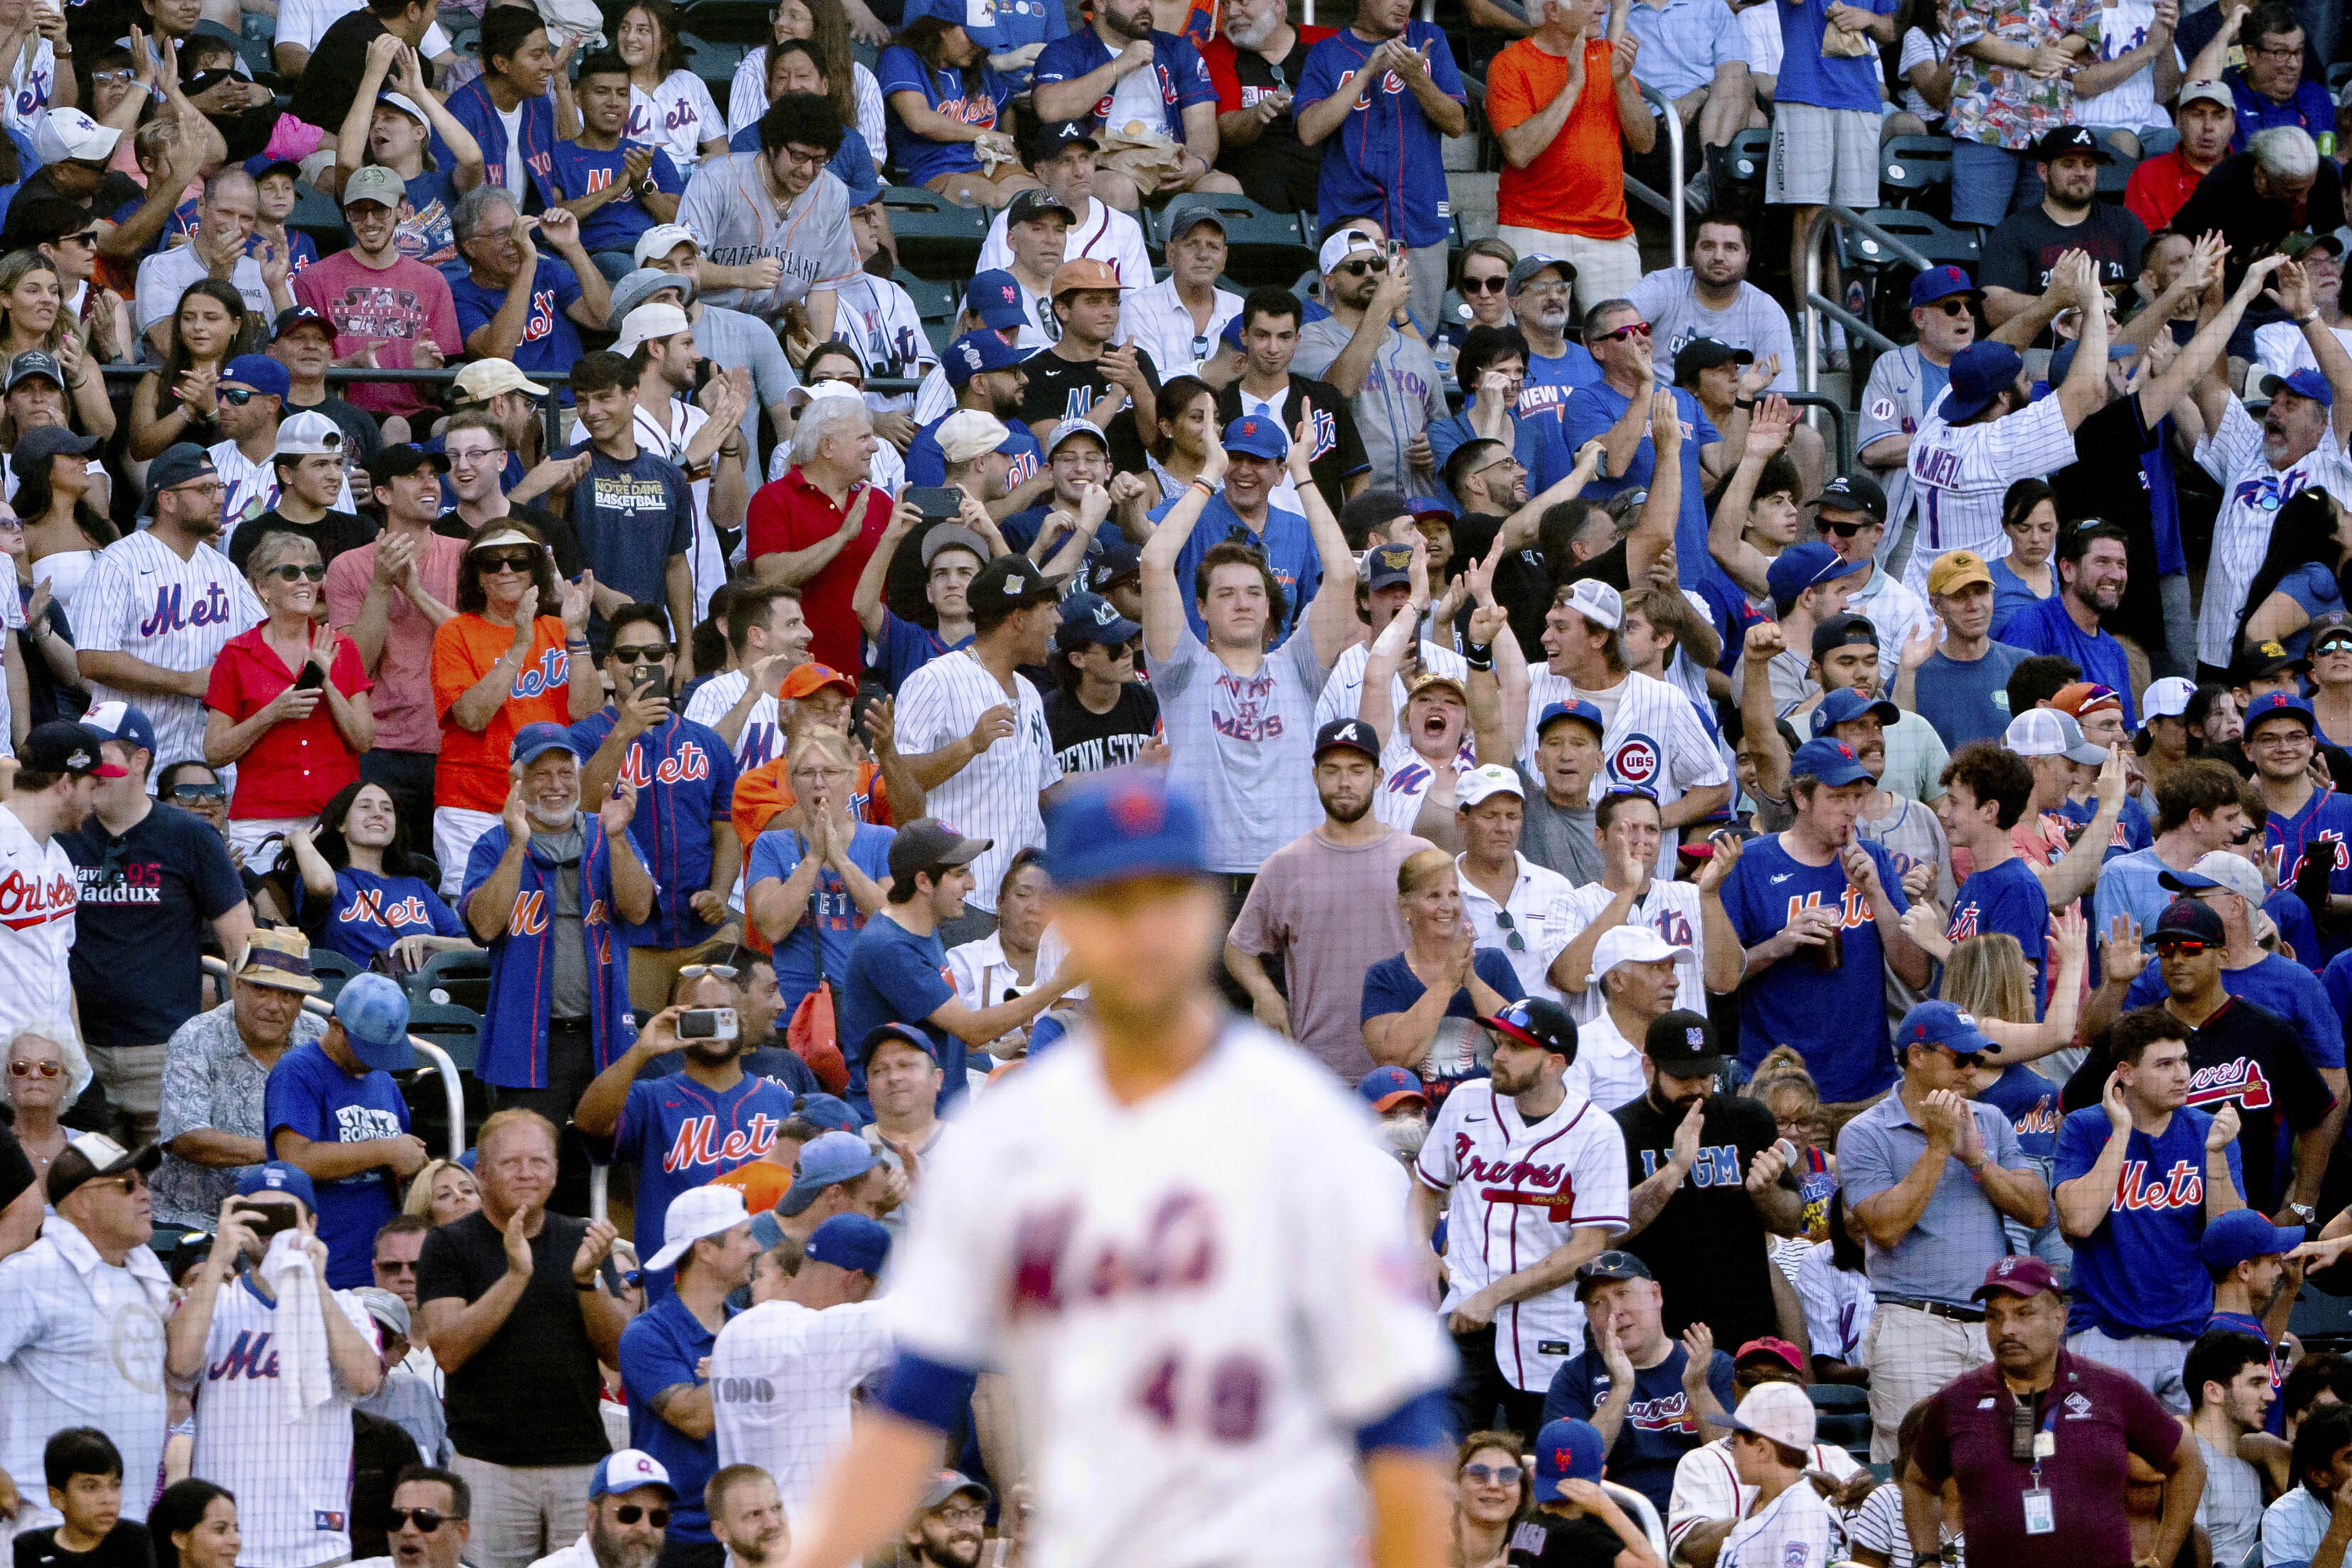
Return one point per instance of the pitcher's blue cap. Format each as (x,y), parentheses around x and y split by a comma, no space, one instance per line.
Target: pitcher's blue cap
(994,296)
(1846,704)
(1940,283)
(1121,825)
(850,1241)
(1981,373)
(1832,761)
(1568,1450)
(373,1011)
(1257,436)
(278,1176)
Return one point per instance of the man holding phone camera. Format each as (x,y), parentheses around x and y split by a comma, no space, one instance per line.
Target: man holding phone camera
(685,777)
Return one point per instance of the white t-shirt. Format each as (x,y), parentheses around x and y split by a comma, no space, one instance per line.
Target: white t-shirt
(515,174)
(303,23)
(1919,49)
(2280,349)
(37,899)
(1759,30)
(677,118)
(879,319)
(1243,744)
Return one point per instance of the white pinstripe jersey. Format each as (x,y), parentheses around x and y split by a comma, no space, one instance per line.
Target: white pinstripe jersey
(1655,738)
(1672,910)
(1707,1487)
(142,599)
(1516,1191)
(37,899)
(780,1378)
(994,796)
(292,1478)
(2251,493)
(1793,1530)
(666,434)
(1197,1300)
(1960,472)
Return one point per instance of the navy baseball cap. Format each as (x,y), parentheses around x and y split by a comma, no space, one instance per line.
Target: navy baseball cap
(180,462)
(975,353)
(1539,1022)
(1981,374)
(2063,360)
(295,316)
(1114,561)
(2271,704)
(1056,134)
(1091,619)
(120,722)
(1843,631)
(1602,1268)
(1384,1089)
(1802,566)
(1941,283)
(2303,384)
(883,1034)
(2191,919)
(2069,138)
(1832,761)
(1257,436)
(62,746)
(1118,826)
(1566,1450)
(1351,734)
(2241,1235)
(1681,1044)
(1940,1023)
(260,373)
(278,1176)
(373,1011)
(1388,566)
(1845,705)
(1855,492)
(850,1241)
(1584,712)
(995,298)
(533,741)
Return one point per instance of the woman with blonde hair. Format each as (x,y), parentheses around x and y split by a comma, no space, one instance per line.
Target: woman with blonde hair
(1782,1086)
(34,320)
(1491,1494)
(1421,1007)
(442,1192)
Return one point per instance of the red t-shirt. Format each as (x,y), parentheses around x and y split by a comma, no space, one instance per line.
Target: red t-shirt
(2158,187)
(299,763)
(393,309)
(1217,54)
(794,514)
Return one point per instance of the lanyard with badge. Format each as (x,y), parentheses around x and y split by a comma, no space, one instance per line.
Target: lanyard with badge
(2032,1440)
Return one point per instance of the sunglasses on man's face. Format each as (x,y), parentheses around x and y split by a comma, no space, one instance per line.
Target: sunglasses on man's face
(1357,269)
(292,572)
(2244,835)
(629,1513)
(1955,308)
(237,396)
(427,1519)
(642,653)
(1843,529)
(1630,330)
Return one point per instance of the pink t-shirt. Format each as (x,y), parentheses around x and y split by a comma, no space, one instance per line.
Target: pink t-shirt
(405,719)
(392,308)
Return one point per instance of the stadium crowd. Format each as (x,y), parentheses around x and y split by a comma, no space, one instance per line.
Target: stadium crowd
(538,674)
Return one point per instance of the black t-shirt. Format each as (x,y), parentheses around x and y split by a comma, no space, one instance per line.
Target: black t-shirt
(16,1172)
(114,189)
(2249,1055)
(247,130)
(127,1545)
(1340,450)
(1707,1245)
(332,81)
(361,433)
(557,531)
(540,1362)
(1085,742)
(334,533)
(148,901)
(1063,389)
(2108,447)
(1522,580)
(42,688)
(2019,254)
(1277,170)
(2225,200)
(1548,1541)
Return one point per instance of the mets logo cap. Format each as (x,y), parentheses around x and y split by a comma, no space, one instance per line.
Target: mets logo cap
(1122,826)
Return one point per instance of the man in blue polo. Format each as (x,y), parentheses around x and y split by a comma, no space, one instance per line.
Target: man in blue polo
(985,372)
(333,1113)
(1257,453)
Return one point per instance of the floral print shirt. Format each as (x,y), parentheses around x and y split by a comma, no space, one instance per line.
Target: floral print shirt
(2003,106)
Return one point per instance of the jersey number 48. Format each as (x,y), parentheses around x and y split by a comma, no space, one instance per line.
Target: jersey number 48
(1226,1407)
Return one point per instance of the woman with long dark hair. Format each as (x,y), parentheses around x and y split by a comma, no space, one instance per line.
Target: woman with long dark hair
(950,115)
(181,401)
(194,1525)
(857,96)
(2297,581)
(1186,427)
(668,106)
(358,889)
(2023,577)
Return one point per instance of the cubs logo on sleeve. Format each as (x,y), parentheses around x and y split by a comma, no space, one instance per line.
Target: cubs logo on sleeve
(1634,760)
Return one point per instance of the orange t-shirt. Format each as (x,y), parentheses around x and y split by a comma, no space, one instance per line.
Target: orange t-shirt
(1577,184)
(761,1184)
(472,774)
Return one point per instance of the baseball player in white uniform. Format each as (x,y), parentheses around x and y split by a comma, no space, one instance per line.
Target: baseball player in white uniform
(1531,1181)
(160,602)
(1214,1348)
(275,1359)
(744,213)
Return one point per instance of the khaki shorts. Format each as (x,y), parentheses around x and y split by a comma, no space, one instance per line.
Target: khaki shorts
(1822,155)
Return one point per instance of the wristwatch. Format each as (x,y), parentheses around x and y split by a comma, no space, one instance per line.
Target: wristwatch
(2303,1212)
(646,187)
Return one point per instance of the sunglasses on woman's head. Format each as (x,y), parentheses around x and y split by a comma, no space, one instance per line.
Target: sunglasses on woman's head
(509,560)
(292,572)
(200,792)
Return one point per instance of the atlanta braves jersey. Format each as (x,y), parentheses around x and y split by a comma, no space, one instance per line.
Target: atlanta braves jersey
(1960,472)
(1516,1191)
(291,1470)
(994,796)
(1652,736)
(38,897)
(685,779)
(1193,1333)
(781,1380)
(2253,490)
(143,599)
(727,209)
(1669,908)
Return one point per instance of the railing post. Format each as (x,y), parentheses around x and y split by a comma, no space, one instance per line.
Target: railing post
(1675,212)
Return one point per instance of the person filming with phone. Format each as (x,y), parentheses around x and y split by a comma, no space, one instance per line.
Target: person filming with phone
(684,778)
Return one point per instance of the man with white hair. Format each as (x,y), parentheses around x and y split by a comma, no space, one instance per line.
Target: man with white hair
(2278,185)
(1636,972)
(224,217)
(701,436)
(815,528)
(1253,63)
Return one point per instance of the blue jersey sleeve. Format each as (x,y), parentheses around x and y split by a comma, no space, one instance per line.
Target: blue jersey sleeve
(1719,1382)
(2080,1138)
(445,919)
(651,1362)
(1327,63)
(483,860)
(665,173)
(640,1113)
(900,70)
(1061,61)
(1390,986)
(774,855)
(1193,83)
(1495,969)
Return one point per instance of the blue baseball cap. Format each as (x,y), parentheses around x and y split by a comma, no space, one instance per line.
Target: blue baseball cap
(994,296)
(628,1470)
(373,1011)
(1940,283)
(975,353)
(278,1176)
(1091,619)
(2241,1235)
(1114,559)
(1832,761)
(1120,825)
(825,1161)
(260,373)
(1981,374)
(1803,566)
(1384,1087)
(850,1241)
(2063,360)
(1845,705)
(1566,1451)
(1584,712)
(1233,333)
(533,741)
(1257,436)
(121,721)
(906,1034)
(1940,1023)
(827,1110)
(2271,704)
(2303,384)
(1388,566)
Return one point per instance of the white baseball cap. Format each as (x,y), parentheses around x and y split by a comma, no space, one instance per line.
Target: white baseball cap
(648,322)
(1486,782)
(661,240)
(1597,601)
(695,1213)
(2047,733)
(2210,92)
(1782,1412)
(1346,243)
(2165,699)
(307,433)
(968,432)
(66,134)
(407,105)
(1630,944)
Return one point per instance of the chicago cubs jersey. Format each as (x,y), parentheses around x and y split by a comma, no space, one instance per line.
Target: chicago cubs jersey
(2251,493)
(292,1478)
(1669,908)
(1652,736)
(1192,1334)
(1960,472)
(1516,1191)
(142,598)
(37,898)
(727,209)
(780,1379)
(684,778)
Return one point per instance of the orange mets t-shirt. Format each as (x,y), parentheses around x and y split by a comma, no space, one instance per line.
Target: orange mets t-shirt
(472,774)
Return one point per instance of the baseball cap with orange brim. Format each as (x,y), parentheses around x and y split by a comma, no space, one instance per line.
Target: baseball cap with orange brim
(806,680)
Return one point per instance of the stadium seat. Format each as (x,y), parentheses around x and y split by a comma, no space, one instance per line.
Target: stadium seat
(2156,143)
(2337,75)
(459,977)
(1261,245)
(1908,166)
(934,301)
(2115,176)
(1745,159)
(2321,1321)
(937,238)
(1842,1415)
(331,968)
(458,1031)
(1940,243)
(320,215)
(744,22)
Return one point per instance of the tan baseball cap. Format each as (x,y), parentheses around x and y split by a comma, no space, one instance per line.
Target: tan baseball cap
(486,378)
(1957,568)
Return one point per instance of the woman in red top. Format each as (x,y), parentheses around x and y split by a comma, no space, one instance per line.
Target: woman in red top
(289,699)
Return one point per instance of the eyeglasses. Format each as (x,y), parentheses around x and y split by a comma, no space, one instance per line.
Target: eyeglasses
(1842,530)
(396,1266)
(629,1513)
(643,653)
(120,73)
(11,525)
(697,971)
(803,155)
(1516,942)
(2244,835)
(2280,740)
(2183,947)
(820,773)
(428,1519)
(1545,286)
(1493,1475)
(237,396)
(1630,329)
(292,572)
(967,1514)
(127,1184)
(26,1069)
(1489,285)
(200,487)
(200,792)
(1357,269)
(520,562)
(2281,53)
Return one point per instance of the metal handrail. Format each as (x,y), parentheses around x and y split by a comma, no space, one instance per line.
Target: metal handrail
(340,376)
(1808,364)
(1674,124)
(1836,411)
(436,1061)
